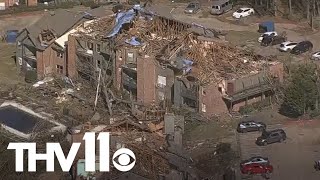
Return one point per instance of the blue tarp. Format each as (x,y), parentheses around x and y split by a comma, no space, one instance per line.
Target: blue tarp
(122,18)
(134,41)
(268,25)
(187,65)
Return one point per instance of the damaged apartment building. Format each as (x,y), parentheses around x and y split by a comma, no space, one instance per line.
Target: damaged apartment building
(42,48)
(154,59)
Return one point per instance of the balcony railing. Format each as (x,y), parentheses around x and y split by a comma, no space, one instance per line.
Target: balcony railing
(249,91)
(190,94)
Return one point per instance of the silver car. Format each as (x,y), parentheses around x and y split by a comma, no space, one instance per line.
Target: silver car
(192,8)
(220,6)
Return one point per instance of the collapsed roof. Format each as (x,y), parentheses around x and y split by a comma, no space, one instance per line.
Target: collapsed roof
(170,41)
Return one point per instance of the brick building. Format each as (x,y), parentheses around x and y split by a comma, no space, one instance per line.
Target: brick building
(163,76)
(42,47)
(146,72)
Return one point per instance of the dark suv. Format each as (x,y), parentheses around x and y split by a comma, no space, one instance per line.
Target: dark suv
(272,40)
(248,126)
(302,47)
(269,137)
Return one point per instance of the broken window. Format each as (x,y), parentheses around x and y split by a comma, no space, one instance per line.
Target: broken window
(90,45)
(161,95)
(99,63)
(203,108)
(59,69)
(98,48)
(59,54)
(130,57)
(162,81)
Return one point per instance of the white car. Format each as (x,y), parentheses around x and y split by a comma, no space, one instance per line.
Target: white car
(243,12)
(271,33)
(316,56)
(287,46)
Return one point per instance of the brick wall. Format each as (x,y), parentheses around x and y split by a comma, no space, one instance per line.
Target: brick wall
(32,2)
(71,51)
(9,3)
(120,60)
(211,98)
(47,62)
(146,80)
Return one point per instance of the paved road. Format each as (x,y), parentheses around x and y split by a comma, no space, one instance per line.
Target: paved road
(292,159)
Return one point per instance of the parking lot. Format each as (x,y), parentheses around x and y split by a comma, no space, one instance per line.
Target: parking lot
(293,159)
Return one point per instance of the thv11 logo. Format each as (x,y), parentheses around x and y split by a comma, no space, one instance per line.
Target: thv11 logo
(123,159)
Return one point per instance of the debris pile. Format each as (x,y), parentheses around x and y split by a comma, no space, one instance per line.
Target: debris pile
(217,61)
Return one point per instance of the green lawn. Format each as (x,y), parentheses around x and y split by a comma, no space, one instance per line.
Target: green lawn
(8,70)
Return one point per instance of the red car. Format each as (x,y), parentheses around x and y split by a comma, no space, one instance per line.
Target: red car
(256,168)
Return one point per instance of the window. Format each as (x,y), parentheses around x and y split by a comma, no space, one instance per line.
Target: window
(130,57)
(98,48)
(161,95)
(162,81)
(246,10)
(227,3)
(203,108)
(274,135)
(59,54)
(90,45)
(59,69)
(99,63)
(223,5)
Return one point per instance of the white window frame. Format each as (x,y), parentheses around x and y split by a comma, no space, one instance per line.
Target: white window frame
(203,108)
(161,81)
(130,55)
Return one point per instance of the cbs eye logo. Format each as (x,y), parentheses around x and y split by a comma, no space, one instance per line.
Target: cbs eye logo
(124,159)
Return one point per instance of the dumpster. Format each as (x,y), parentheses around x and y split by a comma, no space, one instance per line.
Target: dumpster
(266,27)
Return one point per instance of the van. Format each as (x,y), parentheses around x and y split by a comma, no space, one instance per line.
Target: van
(221,6)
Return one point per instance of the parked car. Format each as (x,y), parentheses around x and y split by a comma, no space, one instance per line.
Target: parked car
(287,46)
(220,6)
(256,168)
(266,34)
(269,137)
(243,12)
(192,8)
(302,47)
(249,126)
(272,40)
(256,160)
(315,56)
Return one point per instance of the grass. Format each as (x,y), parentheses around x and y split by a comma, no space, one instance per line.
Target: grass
(8,70)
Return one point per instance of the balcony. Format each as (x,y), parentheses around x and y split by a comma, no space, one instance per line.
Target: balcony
(249,91)
(191,94)
(128,82)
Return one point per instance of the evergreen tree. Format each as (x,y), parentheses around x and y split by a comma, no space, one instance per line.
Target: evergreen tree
(301,93)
